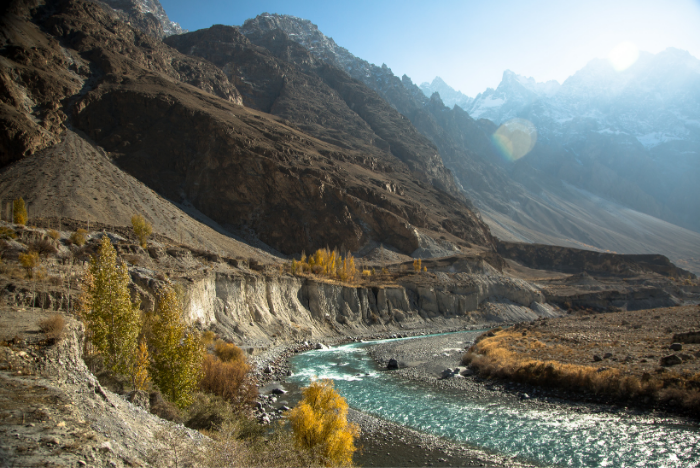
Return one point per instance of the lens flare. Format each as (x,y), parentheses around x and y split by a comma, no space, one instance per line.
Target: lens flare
(515,138)
(623,55)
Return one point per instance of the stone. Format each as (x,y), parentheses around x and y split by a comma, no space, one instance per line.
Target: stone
(393,364)
(467,372)
(139,398)
(268,370)
(676,347)
(51,440)
(321,346)
(671,360)
(447,373)
(607,355)
(597,358)
(279,391)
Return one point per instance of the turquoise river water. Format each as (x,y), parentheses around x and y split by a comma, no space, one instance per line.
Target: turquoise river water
(558,437)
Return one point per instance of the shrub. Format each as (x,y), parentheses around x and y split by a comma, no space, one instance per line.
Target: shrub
(44,248)
(53,327)
(53,234)
(7,233)
(319,423)
(79,237)
(208,337)
(229,380)
(19,212)
(228,352)
(29,261)
(142,229)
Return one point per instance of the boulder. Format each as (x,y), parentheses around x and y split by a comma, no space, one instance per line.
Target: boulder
(321,346)
(676,347)
(671,360)
(447,373)
(393,364)
(597,358)
(278,391)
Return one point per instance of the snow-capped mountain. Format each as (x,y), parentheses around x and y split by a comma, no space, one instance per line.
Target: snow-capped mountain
(450,97)
(514,93)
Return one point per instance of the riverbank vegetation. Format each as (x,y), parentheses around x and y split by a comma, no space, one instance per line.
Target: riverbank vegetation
(536,356)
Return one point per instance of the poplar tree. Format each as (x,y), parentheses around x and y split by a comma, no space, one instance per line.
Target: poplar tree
(177,351)
(142,229)
(319,423)
(113,321)
(19,212)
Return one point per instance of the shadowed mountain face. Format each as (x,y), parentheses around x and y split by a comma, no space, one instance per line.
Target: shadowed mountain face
(175,122)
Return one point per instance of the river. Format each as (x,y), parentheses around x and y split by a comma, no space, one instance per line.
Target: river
(555,436)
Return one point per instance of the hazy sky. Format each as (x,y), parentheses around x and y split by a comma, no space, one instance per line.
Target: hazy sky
(467,43)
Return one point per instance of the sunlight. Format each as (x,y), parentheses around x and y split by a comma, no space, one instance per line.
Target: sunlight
(623,55)
(515,138)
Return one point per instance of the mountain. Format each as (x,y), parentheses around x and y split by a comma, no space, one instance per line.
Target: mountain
(176,124)
(528,200)
(450,97)
(146,15)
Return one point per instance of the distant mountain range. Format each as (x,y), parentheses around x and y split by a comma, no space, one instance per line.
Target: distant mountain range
(626,140)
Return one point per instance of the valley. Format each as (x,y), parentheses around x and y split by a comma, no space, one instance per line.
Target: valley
(300,197)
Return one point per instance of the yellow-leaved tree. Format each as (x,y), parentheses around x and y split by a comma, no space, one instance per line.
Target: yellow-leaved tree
(19,212)
(319,422)
(177,351)
(142,378)
(142,229)
(112,320)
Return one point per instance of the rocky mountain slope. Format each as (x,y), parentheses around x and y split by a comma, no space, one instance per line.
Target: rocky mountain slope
(553,195)
(450,97)
(176,123)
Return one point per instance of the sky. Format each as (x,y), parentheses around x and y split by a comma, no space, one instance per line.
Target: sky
(470,44)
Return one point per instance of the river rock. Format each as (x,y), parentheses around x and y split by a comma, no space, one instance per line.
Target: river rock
(279,391)
(321,346)
(393,364)
(671,360)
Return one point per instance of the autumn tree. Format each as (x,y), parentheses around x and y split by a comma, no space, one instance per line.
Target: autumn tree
(19,212)
(417,265)
(113,321)
(29,262)
(177,351)
(319,423)
(142,229)
(142,378)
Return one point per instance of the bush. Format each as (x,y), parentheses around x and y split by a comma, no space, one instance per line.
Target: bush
(319,423)
(79,237)
(44,248)
(53,327)
(228,352)
(53,234)
(29,261)
(19,212)
(7,233)
(229,380)
(142,229)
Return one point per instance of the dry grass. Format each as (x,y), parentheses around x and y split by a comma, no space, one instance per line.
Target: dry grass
(506,354)
(53,327)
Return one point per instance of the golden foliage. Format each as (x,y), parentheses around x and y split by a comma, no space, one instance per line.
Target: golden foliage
(79,237)
(329,264)
(29,262)
(54,234)
(176,349)
(230,380)
(19,212)
(228,352)
(142,378)
(113,322)
(319,423)
(417,265)
(142,229)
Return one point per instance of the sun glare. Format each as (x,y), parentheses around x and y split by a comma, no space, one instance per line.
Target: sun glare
(515,138)
(623,55)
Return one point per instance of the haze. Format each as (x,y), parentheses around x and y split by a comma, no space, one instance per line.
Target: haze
(470,44)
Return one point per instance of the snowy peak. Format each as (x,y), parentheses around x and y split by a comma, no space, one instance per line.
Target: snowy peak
(449,95)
